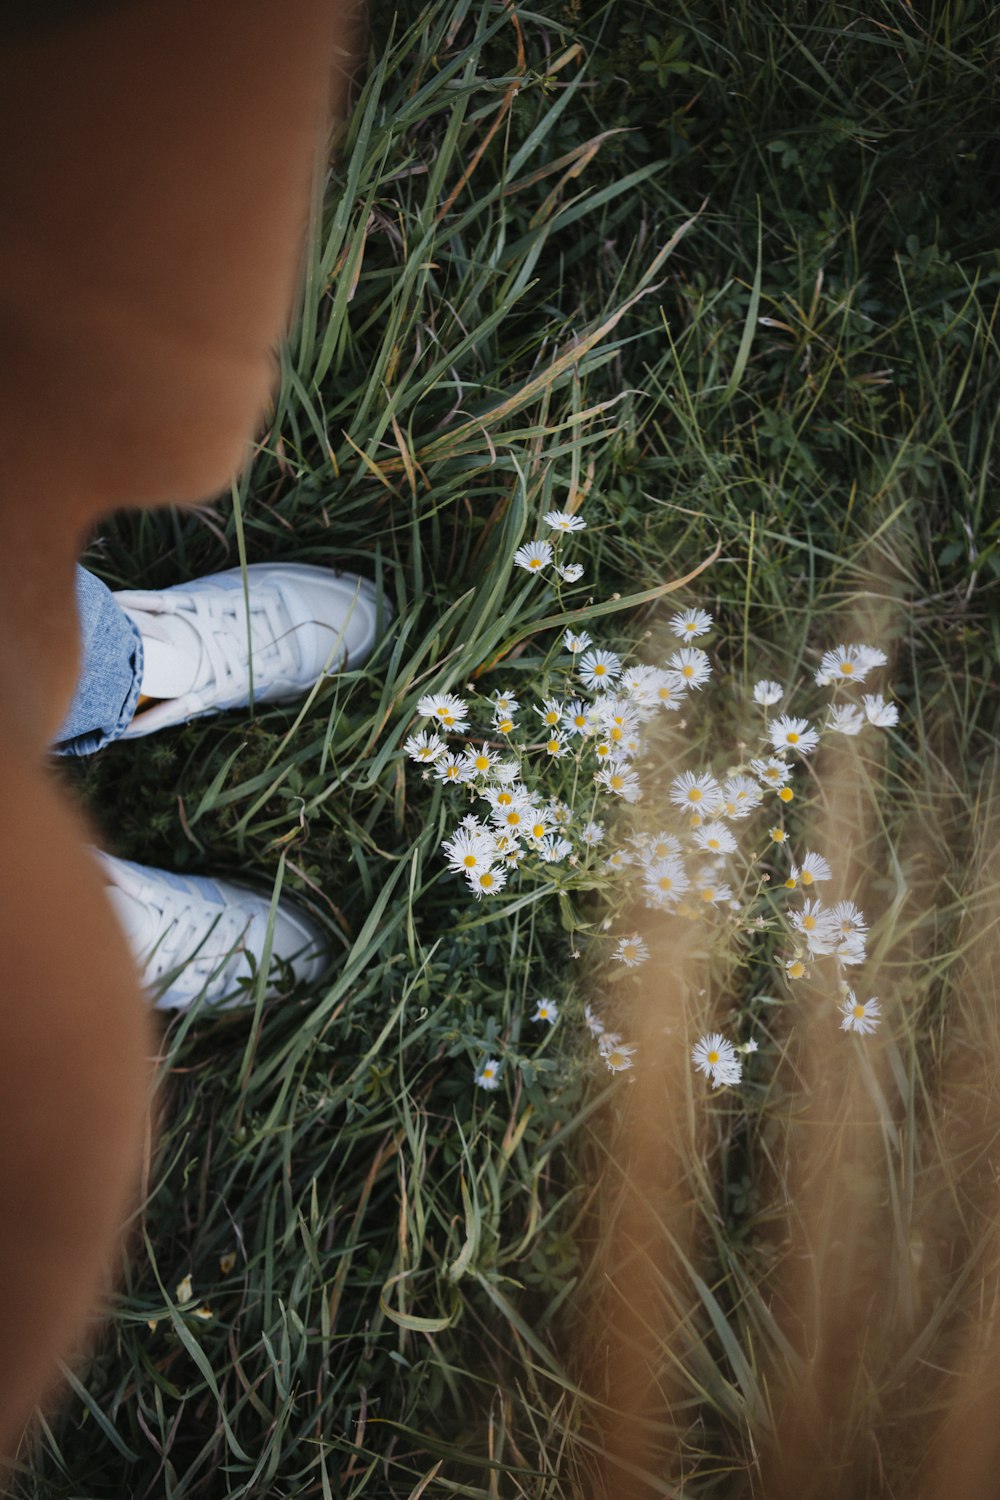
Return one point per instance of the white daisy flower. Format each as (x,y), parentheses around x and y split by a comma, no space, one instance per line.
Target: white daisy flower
(793,734)
(848,919)
(816,924)
(661,846)
(562,520)
(620,779)
(845,718)
(878,712)
(592,833)
(599,668)
(617,1056)
(506,771)
(713,894)
(843,664)
(665,882)
(550,712)
(796,969)
(488,1076)
(860,1016)
(814,867)
(576,718)
(487,882)
(515,794)
(503,724)
(766,692)
(534,556)
(639,684)
(576,642)
(689,790)
(505,705)
(570,572)
(562,813)
(470,849)
(851,949)
(690,623)
(553,848)
(618,860)
(547,1010)
(693,665)
(740,795)
(450,711)
(772,772)
(594,1023)
(538,825)
(450,768)
(872,657)
(631,951)
(715,838)
(423,746)
(669,688)
(479,762)
(716,1058)
(555,746)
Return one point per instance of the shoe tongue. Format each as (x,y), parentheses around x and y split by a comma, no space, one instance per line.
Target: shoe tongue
(174,662)
(141,924)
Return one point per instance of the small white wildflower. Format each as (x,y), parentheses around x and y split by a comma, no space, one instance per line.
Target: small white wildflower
(592,833)
(740,795)
(878,712)
(594,1023)
(669,688)
(814,867)
(716,1058)
(860,1016)
(570,572)
(547,1010)
(793,734)
(845,718)
(693,665)
(554,848)
(423,746)
(715,838)
(576,642)
(665,882)
(562,520)
(619,779)
(772,772)
(450,711)
(617,1056)
(631,951)
(488,1076)
(689,790)
(479,762)
(690,623)
(599,668)
(766,692)
(534,556)
(505,705)
(470,849)
(450,768)
(487,882)
(844,664)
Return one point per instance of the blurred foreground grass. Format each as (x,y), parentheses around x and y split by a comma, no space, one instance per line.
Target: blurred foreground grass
(398,1280)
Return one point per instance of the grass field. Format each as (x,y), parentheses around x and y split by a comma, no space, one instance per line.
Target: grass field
(724,281)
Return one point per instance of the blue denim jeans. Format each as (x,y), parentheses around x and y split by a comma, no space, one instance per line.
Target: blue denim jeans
(107,689)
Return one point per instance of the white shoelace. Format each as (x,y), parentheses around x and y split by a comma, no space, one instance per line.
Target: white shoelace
(220,623)
(189,924)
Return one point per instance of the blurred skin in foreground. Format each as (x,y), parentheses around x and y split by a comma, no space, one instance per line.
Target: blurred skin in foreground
(156,171)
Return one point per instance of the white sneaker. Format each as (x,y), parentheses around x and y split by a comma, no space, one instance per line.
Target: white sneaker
(304,622)
(193,937)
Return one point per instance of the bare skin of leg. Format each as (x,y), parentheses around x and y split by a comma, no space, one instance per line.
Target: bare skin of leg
(155,170)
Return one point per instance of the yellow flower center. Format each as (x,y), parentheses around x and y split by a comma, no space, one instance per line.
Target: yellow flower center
(536,562)
(791,883)
(694,795)
(579,721)
(538,831)
(513,818)
(470,861)
(505,726)
(687,671)
(486,880)
(712,1057)
(551,717)
(786,794)
(778,835)
(808,924)
(793,738)
(847,667)
(708,893)
(712,844)
(629,950)
(482,762)
(807,877)
(665,883)
(617,782)
(796,970)
(553,747)
(617,735)
(857,1012)
(600,670)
